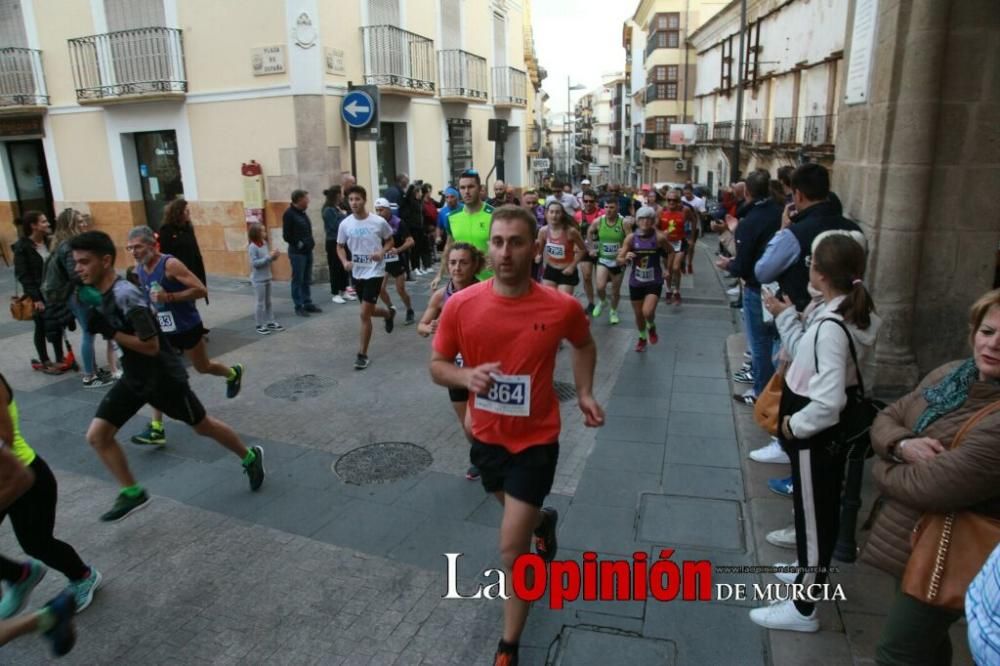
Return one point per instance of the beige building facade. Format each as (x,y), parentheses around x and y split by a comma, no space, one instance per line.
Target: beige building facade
(115,107)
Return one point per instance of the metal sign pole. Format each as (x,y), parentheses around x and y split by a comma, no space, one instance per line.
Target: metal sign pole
(350,131)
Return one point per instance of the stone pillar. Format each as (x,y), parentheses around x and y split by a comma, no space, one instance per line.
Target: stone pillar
(885,157)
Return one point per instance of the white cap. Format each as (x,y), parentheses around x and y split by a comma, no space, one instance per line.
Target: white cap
(382,202)
(646,211)
(585,182)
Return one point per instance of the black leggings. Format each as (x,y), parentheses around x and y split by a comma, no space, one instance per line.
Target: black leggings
(421,252)
(33,516)
(43,354)
(338,276)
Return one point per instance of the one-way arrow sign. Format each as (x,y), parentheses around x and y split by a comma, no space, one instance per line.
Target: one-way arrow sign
(357,109)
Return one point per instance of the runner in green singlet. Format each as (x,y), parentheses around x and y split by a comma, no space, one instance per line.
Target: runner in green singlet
(469,225)
(609,232)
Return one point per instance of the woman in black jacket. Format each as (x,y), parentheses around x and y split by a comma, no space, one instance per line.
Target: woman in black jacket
(177,238)
(412,213)
(30,252)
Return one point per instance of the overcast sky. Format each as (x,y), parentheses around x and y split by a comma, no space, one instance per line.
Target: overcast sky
(581,39)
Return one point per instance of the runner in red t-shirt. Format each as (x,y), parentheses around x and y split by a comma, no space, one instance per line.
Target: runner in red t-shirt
(508,331)
(676,221)
(585,217)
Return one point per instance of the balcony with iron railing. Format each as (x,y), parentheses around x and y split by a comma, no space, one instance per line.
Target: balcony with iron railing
(510,87)
(722,131)
(398,60)
(129,65)
(22,82)
(462,77)
(818,131)
(783,132)
(753,131)
(701,132)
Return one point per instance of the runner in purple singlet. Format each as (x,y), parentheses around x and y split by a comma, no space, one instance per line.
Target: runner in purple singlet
(643,249)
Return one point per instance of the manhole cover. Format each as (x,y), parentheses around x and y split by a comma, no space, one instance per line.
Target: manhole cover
(301,386)
(381,462)
(565,391)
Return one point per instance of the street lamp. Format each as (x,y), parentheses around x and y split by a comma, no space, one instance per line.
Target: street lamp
(570,134)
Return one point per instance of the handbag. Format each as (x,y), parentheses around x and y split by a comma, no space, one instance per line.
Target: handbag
(857,416)
(950,548)
(765,410)
(22,308)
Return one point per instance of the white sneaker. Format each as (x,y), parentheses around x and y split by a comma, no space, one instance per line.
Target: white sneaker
(783,538)
(772,453)
(784,616)
(350,296)
(735,291)
(786,576)
(338,299)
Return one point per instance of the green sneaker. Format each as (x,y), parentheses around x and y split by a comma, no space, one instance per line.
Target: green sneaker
(15,595)
(255,469)
(125,505)
(613,317)
(151,436)
(83,590)
(598,309)
(233,385)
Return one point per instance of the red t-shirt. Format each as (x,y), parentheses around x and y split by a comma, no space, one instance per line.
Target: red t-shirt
(523,335)
(672,223)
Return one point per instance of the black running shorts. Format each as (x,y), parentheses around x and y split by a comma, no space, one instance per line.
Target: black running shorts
(185,340)
(526,476)
(640,293)
(553,274)
(395,268)
(173,398)
(368,289)
(614,270)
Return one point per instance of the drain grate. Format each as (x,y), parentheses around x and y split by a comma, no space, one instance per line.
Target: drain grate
(299,387)
(382,462)
(565,391)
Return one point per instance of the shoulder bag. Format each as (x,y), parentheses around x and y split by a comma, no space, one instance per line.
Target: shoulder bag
(950,548)
(765,410)
(22,308)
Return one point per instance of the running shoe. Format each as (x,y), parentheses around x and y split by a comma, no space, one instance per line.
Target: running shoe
(361,362)
(275,326)
(83,590)
(598,309)
(506,654)
(312,309)
(125,505)
(743,377)
(747,397)
(338,299)
(772,453)
(589,309)
(677,298)
(151,436)
(781,487)
(255,469)
(409,318)
(117,374)
(390,321)
(783,538)
(97,380)
(264,330)
(472,474)
(613,317)
(61,633)
(301,312)
(16,595)
(653,337)
(641,345)
(546,545)
(350,296)
(234,385)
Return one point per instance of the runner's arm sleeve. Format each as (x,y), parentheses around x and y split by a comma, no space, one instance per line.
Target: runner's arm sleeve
(141,319)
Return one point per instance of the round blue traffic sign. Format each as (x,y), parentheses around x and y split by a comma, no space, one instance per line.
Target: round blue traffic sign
(357,109)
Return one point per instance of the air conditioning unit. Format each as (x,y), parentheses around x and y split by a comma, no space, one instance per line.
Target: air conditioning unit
(680,165)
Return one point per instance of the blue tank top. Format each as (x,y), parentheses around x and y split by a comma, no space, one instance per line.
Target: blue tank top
(646,267)
(183,314)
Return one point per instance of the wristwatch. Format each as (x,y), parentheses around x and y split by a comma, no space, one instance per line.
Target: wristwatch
(898,446)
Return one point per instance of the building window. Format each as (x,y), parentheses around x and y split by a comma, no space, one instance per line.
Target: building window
(459,146)
(665,31)
(671,91)
(658,132)
(672,71)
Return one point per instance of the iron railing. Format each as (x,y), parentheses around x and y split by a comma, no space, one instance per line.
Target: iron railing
(722,131)
(818,131)
(144,61)
(22,82)
(396,57)
(784,131)
(462,74)
(701,132)
(510,86)
(753,131)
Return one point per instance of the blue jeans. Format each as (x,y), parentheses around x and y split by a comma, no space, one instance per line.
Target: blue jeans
(761,337)
(302,266)
(81,312)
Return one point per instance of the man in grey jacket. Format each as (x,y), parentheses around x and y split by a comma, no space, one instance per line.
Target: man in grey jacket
(296,230)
